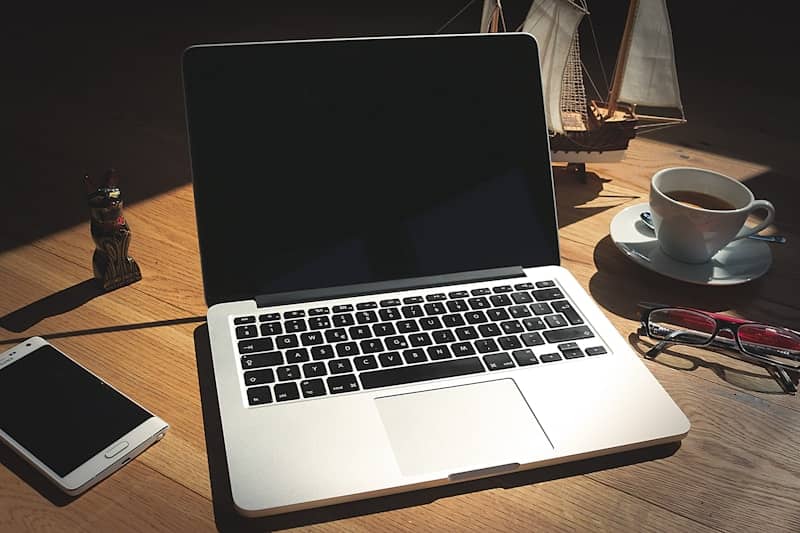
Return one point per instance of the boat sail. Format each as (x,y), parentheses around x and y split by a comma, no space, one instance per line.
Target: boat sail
(644,93)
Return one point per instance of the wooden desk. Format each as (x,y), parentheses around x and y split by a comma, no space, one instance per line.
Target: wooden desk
(738,469)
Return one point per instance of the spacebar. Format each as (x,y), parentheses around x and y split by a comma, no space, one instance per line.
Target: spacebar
(413,373)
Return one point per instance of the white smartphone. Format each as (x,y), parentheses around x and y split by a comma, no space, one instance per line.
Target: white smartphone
(67,422)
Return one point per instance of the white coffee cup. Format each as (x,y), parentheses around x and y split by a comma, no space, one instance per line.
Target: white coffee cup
(688,232)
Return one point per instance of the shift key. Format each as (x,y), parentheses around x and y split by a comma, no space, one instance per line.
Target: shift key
(568,334)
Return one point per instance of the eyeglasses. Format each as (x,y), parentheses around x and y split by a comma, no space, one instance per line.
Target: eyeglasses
(777,347)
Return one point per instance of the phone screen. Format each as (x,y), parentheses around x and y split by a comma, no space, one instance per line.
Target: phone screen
(61,413)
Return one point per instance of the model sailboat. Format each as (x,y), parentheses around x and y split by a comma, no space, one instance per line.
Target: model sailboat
(644,93)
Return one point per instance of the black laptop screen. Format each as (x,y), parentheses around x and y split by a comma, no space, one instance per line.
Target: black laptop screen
(319,164)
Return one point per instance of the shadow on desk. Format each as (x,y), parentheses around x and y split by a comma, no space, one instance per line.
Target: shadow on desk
(227,519)
(23,470)
(52,305)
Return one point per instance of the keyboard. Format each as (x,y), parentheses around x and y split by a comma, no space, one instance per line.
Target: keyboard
(351,347)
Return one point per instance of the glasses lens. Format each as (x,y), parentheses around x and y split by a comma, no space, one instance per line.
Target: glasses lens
(777,345)
(681,325)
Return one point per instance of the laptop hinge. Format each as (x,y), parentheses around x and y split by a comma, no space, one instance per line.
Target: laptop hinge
(363,289)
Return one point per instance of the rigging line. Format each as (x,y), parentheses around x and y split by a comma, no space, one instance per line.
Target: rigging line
(597,50)
(586,71)
(454,17)
(502,17)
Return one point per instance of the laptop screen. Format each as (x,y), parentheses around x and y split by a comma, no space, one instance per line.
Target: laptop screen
(326,163)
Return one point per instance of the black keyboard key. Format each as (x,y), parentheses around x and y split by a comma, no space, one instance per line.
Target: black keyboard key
(340,366)
(297,355)
(366,317)
(498,361)
(568,334)
(415,355)
(452,321)
(532,339)
(346,308)
(240,320)
(534,324)
(360,332)
(390,303)
(435,308)
(567,346)
(407,326)
(521,298)
(458,294)
(271,328)
(420,339)
(563,306)
(541,308)
(509,343)
(512,326)
(288,373)
(525,357)
(371,346)
(500,300)
(438,297)
(486,346)
(489,330)
(310,339)
(595,350)
(245,332)
(259,396)
(287,341)
(439,352)
(461,349)
(317,311)
(523,286)
(467,333)
(319,322)
(416,373)
(412,311)
(396,343)
(545,284)
(261,360)
(312,388)
(549,357)
(312,370)
(430,322)
(366,305)
(547,294)
(347,349)
(294,314)
(269,317)
(390,359)
(478,303)
(476,317)
(457,306)
(572,354)
(413,300)
(341,384)
(256,345)
(502,288)
(365,362)
(336,335)
(556,321)
(322,352)
(342,320)
(295,326)
(286,391)
(498,314)
(480,292)
(443,336)
(519,311)
(259,377)
(390,314)
(383,329)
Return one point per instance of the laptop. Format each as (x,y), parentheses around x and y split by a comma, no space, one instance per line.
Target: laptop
(379,249)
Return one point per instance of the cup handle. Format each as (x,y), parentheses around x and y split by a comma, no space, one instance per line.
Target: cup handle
(746,231)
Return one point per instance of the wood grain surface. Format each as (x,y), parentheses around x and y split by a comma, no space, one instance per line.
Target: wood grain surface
(737,470)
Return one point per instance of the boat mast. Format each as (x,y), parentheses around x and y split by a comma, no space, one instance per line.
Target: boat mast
(622,59)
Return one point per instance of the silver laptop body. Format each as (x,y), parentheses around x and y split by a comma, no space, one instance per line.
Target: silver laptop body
(341,377)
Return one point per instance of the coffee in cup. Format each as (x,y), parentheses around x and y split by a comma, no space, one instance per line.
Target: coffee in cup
(698,212)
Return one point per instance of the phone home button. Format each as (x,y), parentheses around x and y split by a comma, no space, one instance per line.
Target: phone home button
(116,449)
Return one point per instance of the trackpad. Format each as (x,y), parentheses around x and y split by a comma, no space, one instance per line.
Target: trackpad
(464,428)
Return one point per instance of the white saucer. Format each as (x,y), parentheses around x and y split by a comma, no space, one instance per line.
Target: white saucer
(741,261)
